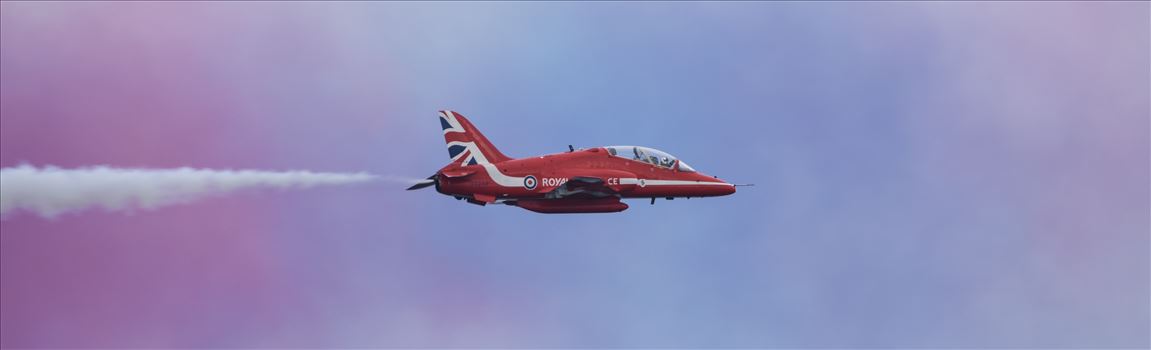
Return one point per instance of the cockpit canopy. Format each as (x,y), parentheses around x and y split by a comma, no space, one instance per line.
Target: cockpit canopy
(650,156)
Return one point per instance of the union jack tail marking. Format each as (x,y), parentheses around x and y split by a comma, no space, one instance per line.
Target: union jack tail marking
(466,145)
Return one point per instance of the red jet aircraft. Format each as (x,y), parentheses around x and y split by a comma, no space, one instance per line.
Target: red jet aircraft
(589,180)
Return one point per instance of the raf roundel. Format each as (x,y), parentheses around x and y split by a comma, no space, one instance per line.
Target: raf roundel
(530,182)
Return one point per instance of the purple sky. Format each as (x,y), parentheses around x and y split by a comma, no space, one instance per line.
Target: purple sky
(934,174)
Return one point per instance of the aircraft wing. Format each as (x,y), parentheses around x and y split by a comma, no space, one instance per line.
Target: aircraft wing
(582,187)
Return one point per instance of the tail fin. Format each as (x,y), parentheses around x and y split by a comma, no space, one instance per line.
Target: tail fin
(466,145)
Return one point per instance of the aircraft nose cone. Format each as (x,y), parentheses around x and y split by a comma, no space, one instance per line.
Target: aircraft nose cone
(729,189)
(716,186)
(722,189)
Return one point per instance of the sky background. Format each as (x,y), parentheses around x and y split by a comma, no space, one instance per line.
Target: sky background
(929,174)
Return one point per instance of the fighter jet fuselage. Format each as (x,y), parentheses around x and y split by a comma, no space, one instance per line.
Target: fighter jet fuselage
(591,180)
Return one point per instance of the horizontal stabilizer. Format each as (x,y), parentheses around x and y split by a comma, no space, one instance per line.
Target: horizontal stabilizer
(431,180)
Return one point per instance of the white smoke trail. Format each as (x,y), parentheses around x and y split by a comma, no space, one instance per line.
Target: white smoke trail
(50,191)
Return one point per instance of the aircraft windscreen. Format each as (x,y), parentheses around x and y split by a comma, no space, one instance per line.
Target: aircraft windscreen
(684,167)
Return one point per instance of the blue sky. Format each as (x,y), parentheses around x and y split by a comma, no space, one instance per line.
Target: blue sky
(927,174)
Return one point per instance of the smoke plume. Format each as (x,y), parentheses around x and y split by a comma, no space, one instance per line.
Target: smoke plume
(50,191)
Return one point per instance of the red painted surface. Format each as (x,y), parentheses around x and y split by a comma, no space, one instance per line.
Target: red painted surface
(582,181)
(573,205)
